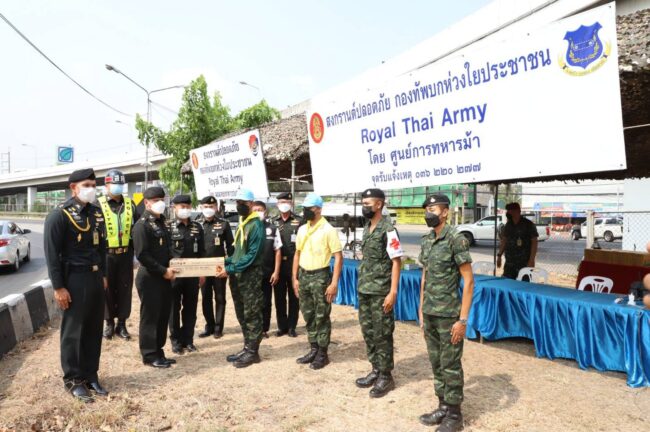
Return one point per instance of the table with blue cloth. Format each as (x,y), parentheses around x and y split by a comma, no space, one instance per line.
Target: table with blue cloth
(562,323)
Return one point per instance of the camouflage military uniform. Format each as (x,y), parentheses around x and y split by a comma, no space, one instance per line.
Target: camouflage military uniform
(374,285)
(518,245)
(246,265)
(441,257)
(314,306)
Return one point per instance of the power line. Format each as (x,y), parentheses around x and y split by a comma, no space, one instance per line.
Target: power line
(57,66)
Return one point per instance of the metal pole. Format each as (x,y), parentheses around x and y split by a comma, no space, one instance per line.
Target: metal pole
(293,180)
(146,147)
(590,229)
(354,234)
(475,197)
(496,223)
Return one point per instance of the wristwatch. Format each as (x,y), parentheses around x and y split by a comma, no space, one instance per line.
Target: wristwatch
(463,321)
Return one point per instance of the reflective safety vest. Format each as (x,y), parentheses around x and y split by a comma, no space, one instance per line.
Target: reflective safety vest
(118,231)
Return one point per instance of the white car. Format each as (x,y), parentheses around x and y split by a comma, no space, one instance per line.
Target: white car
(483,230)
(605,228)
(14,245)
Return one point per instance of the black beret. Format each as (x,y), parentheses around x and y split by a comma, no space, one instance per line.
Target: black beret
(284,195)
(436,199)
(154,192)
(209,200)
(81,175)
(373,193)
(182,199)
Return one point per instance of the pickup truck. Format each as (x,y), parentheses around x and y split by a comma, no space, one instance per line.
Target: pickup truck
(605,228)
(483,229)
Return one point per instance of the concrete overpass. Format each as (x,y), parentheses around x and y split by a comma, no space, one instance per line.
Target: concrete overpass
(29,182)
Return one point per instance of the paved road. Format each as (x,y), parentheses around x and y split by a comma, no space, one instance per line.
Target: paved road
(31,272)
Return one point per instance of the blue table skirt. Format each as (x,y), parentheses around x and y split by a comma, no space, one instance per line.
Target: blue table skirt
(563,323)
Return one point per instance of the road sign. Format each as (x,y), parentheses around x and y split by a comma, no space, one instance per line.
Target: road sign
(65,154)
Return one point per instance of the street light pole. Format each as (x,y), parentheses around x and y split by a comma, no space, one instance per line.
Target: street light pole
(244,83)
(146,146)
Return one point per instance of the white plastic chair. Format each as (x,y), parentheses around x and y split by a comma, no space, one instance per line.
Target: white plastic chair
(598,284)
(483,267)
(534,274)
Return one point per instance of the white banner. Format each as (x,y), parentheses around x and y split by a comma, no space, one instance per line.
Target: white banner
(541,105)
(222,167)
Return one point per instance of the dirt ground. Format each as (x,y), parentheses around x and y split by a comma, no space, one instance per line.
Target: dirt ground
(507,388)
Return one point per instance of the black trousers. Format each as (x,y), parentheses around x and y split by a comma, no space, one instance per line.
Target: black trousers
(282,291)
(182,319)
(119,272)
(155,303)
(267,289)
(81,327)
(214,315)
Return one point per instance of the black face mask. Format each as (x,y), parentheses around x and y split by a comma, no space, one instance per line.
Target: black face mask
(243,210)
(308,214)
(368,212)
(432,219)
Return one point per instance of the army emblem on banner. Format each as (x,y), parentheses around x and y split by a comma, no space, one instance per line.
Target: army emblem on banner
(585,51)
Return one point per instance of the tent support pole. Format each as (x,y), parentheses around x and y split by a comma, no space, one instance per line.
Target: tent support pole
(496,224)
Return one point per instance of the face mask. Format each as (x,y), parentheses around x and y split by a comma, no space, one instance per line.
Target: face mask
(284,208)
(508,216)
(116,189)
(261,216)
(158,207)
(208,212)
(432,219)
(86,194)
(243,210)
(183,213)
(308,214)
(367,212)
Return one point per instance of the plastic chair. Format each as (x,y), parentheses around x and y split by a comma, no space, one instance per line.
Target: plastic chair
(598,284)
(483,267)
(533,273)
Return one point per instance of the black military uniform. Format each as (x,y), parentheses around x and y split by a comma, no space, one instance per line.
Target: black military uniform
(75,253)
(152,249)
(218,238)
(272,242)
(119,257)
(186,242)
(284,288)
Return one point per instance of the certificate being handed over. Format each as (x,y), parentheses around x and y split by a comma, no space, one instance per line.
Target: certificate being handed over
(196,267)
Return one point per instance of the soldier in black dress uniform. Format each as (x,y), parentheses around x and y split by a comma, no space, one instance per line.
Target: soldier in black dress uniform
(75,252)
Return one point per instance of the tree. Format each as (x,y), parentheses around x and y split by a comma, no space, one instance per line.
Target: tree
(199,121)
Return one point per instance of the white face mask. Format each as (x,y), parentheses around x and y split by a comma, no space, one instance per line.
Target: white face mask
(183,213)
(158,207)
(86,194)
(208,212)
(261,216)
(284,207)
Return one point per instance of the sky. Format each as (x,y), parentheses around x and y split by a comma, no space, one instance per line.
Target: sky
(290,50)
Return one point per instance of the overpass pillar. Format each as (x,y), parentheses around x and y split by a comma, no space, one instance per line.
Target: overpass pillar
(31,198)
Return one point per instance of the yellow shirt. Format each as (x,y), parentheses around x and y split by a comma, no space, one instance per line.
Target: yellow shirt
(316,249)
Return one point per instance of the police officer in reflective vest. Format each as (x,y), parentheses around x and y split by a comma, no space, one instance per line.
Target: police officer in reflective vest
(288,224)
(119,216)
(218,238)
(152,249)
(187,242)
(75,254)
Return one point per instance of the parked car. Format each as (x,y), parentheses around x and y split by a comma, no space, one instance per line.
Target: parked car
(483,229)
(14,245)
(605,228)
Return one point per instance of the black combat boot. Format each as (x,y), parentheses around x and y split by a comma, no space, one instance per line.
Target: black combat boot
(453,422)
(109,329)
(383,385)
(233,357)
(321,359)
(310,356)
(368,380)
(121,330)
(436,417)
(251,355)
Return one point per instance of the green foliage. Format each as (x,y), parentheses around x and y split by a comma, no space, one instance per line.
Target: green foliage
(199,121)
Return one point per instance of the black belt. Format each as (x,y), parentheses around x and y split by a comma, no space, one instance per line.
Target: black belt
(117,251)
(320,270)
(82,268)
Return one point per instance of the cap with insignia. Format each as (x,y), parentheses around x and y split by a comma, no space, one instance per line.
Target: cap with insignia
(154,192)
(209,200)
(81,175)
(373,193)
(182,199)
(285,196)
(436,199)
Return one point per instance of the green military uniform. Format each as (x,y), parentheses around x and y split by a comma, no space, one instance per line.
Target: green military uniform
(519,238)
(441,257)
(315,308)
(374,285)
